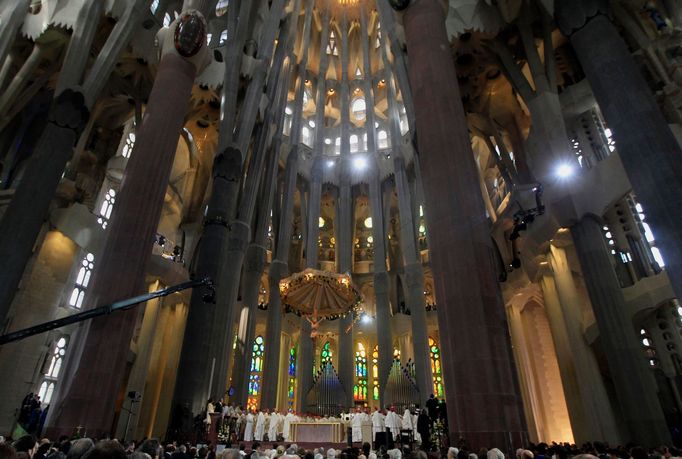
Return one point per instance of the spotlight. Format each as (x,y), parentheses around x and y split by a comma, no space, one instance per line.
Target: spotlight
(365,319)
(564,170)
(330,163)
(360,163)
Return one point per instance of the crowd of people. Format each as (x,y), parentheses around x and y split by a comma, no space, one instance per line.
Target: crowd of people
(27,447)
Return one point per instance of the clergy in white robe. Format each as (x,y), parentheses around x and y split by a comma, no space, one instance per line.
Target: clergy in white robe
(248,431)
(416,435)
(407,420)
(378,424)
(356,426)
(286,428)
(260,426)
(393,423)
(274,426)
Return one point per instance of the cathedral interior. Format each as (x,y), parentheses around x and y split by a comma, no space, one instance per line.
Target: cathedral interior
(498,182)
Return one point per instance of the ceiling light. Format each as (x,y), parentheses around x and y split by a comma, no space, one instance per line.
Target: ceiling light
(565,170)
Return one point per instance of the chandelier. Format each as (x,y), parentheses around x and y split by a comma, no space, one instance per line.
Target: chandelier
(349,2)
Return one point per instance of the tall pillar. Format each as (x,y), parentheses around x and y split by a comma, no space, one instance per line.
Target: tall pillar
(344,225)
(635,389)
(564,359)
(646,146)
(26,213)
(89,397)
(279,268)
(414,284)
(381,285)
(588,404)
(304,370)
(240,228)
(414,272)
(479,371)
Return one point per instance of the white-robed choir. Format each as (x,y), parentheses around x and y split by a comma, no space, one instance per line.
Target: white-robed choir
(272,426)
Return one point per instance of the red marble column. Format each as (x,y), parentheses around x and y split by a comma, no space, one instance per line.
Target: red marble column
(95,380)
(483,401)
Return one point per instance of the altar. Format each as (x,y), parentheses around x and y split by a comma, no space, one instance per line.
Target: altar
(318,432)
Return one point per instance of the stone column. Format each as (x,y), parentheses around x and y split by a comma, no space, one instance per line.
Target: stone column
(646,146)
(567,366)
(479,372)
(13,17)
(636,392)
(304,370)
(26,213)
(414,283)
(240,231)
(345,222)
(98,376)
(381,284)
(279,269)
(414,272)
(589,410)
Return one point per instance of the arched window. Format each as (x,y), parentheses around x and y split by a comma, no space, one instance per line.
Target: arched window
(256,371)
(128,145)
(326,354)
(354,143)
(154,6)
(82,281)
(106,208)
(167,20)
(360,388)
(51,369)
(337,146)
(375,373)
(331,46)
(358,107)
(223,38)
(436,368)
(291,393)
(382,138)
(377,43)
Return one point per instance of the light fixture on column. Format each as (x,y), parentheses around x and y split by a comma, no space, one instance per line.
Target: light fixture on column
(360,163)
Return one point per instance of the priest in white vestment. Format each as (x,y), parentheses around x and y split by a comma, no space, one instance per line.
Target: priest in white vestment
(274,425)
(260,426)
(356,425)
(393,423)
(378,423)
(288,419)
(248,431)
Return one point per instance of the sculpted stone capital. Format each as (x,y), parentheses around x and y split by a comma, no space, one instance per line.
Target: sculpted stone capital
(573,15)
(70,111)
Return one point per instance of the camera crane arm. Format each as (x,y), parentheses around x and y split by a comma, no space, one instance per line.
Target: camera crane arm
(121,305)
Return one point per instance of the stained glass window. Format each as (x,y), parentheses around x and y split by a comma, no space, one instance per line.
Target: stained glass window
(434,350)
(256,372)
(326,354)
(375,373)
(360,388)
(292,377)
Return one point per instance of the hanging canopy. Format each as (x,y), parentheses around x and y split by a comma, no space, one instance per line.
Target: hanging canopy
(319,295)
